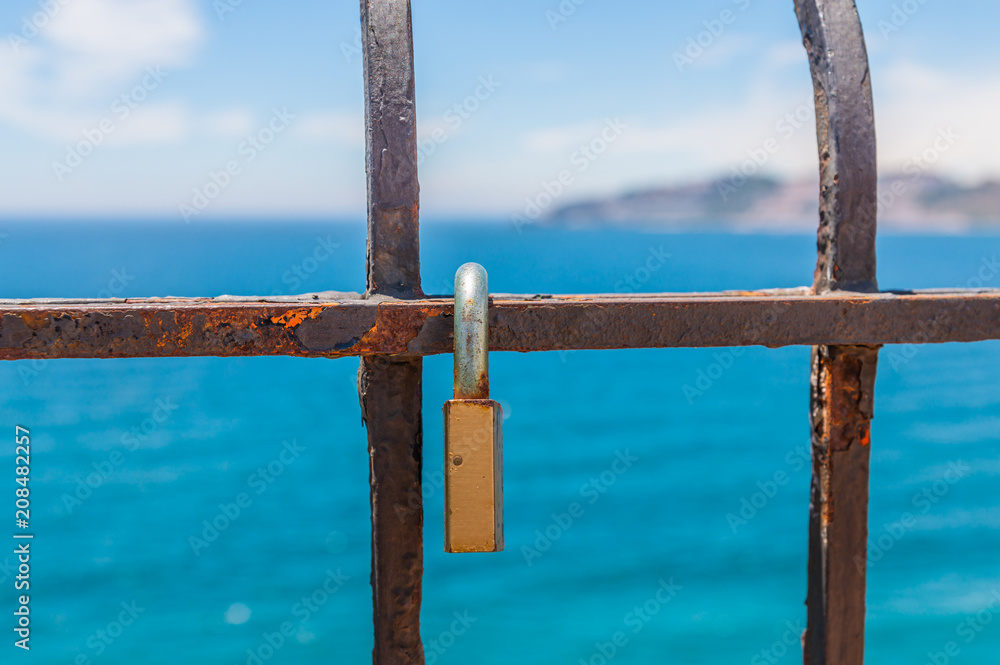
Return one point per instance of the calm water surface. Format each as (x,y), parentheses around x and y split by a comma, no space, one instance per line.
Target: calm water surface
(673,518)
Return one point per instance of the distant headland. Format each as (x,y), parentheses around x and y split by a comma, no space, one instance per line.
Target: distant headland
(907,201)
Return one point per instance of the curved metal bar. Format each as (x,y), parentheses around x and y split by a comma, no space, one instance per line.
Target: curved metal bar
(845,128)
(843,377)
(472,379)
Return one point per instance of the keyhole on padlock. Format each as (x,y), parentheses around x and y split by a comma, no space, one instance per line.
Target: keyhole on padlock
(457,460)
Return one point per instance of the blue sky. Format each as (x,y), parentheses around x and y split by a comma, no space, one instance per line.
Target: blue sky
(138,107)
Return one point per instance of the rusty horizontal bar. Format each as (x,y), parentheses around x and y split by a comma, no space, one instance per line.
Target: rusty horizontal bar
(337,325)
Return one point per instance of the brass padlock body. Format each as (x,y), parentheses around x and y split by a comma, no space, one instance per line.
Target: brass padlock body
(473,457)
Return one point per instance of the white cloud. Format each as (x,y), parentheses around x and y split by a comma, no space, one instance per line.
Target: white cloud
(334,126)
(559,139)
(153,31)
(913,104)
(694,141)
(725,51)
(914,101)
(229,122)
(704,143)
(153,123)
(786,54)
(58,82)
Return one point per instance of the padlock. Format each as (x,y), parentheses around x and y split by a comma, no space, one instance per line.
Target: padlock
(473,438)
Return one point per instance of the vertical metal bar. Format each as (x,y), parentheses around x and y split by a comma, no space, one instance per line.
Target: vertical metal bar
(390,406)
(390,390)
(843,377)
(391,137)
(843,380)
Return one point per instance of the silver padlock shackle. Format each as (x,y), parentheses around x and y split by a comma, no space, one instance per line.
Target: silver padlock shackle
(472,378)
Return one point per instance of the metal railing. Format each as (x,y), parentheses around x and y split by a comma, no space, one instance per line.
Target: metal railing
(393,325)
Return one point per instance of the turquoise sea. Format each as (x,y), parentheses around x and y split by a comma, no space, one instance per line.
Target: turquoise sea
(644,523)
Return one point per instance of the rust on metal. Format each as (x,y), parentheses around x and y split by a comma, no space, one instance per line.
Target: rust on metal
(845,130)
(350,326)
(391,395)
(389,388)
(843,316)
(841,413)
(843,391)
(843,376)
(291,319)
(391,139)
